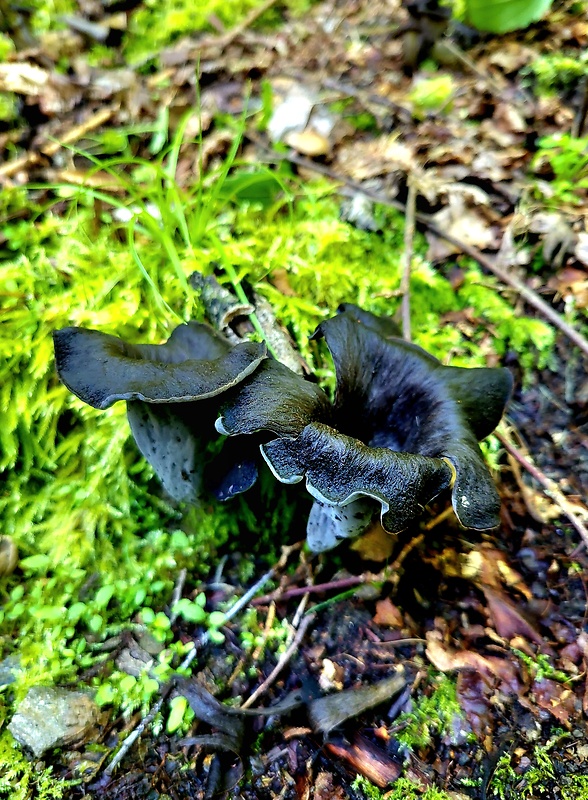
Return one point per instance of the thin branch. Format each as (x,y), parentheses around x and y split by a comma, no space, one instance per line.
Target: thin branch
(550,488)
(284,659)
(409,221)
(49,149)
(134,735)
(296,591)
(177,593)
(531,297)
(366,97)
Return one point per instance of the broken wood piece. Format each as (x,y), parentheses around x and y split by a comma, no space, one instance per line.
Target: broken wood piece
(329,712)
(366,758)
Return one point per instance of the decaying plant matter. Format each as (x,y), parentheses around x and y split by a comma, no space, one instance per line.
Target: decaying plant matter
(402,428)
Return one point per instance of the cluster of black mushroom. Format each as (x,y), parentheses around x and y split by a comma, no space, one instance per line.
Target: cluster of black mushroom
(402,428)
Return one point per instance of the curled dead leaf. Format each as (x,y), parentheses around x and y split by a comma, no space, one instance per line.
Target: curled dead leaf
(508,620)
(446,659)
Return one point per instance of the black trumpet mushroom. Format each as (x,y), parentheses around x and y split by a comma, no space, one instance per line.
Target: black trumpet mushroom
(402,427)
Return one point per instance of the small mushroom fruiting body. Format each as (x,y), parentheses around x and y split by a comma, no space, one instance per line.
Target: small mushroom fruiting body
(402,428)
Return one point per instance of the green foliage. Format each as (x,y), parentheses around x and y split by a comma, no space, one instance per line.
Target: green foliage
(556,72)
(402,789)
(8,106)
(21,779)
(539,779)
(439,714)
(254,635)
(540,667)
(156,25)
(432,94)
(575,787)
(567,156)
(501,16)
(514,333)
(6,46)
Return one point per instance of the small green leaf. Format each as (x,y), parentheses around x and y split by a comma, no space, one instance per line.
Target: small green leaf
(215,636)
(103,596)
(75,611)
(191,612)
(127,684)
(51,613)
(216,619)
(38,563)
(147,616)
(161,621)
(178,707)
(96,623)
(105,694)
(501,16)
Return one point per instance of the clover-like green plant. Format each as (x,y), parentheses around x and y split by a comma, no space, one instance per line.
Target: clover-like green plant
(402,428)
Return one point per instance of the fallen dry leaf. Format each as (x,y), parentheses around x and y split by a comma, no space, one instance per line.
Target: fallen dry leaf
(572,285)
(464,224)
(381,156)
(388,615)
(446,659)
(508,620)
(23,78)
(581,249)
(308,142)
(375,545)
(554,697)
(474,696)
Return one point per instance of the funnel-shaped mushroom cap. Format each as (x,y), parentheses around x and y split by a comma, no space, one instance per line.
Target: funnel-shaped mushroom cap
(340,470)
(394,395)
(194,364)
(274,399)
(171,392)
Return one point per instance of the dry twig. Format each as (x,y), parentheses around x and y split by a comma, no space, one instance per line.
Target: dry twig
(177,593)
(550,488)
(343,583)
(407,258)
(283,660)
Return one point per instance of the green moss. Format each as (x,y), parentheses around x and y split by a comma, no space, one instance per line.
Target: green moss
(402,789)
(156,25)
(555,72)
(21,779)
(531,339)
(46,14)
(540,778)
(567,157)
(575,788)
(439,714)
